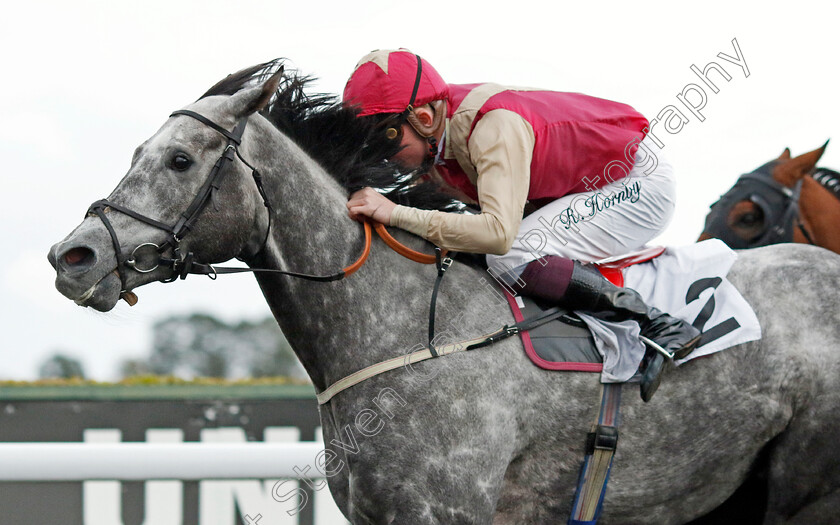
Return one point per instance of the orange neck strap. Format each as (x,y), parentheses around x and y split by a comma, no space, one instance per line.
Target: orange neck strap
(395,245)
(401,249)
(362,258)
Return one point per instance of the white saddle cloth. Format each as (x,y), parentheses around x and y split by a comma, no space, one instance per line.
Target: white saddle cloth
(688,282)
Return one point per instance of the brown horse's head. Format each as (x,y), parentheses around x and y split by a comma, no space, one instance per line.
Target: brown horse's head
(778,202)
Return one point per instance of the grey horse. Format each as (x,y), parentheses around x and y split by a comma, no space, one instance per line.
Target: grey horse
(481,436)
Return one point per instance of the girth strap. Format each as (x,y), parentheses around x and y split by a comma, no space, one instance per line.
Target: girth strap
(427,353)
(391,364)
(601,445)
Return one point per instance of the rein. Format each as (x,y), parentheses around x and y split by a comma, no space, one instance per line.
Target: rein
(185,264)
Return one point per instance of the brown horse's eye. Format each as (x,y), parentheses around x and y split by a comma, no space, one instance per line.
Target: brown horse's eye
(181,162)
(751,219)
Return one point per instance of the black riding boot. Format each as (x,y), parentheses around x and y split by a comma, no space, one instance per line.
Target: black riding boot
(589,291)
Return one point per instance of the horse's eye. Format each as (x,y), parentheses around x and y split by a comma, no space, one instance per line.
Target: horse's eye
(181,162)
(750,219)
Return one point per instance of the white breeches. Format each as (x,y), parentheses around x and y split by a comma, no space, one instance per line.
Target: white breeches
(617,218)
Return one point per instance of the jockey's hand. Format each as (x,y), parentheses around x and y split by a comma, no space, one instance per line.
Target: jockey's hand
(367,202)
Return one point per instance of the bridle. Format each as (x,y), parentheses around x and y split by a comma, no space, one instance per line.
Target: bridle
(183,264)
(779,204)
(180,264)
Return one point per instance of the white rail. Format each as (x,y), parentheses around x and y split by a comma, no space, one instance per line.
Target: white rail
(147,461)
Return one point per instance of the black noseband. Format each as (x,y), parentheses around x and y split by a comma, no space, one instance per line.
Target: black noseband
(180,264)
(779,204)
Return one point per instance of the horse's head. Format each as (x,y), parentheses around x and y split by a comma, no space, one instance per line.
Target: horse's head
(186,197)
(763,206)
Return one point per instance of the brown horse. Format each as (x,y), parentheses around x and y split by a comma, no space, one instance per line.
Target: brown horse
(786,200)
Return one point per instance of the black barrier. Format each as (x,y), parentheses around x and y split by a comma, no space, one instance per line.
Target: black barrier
(189,413)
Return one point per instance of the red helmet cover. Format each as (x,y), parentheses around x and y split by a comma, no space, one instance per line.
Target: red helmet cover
(384,80)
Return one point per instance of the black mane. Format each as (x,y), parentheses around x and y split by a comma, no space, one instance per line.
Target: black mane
(351,149)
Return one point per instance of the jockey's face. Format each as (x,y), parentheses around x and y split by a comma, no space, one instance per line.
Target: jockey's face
(415,149)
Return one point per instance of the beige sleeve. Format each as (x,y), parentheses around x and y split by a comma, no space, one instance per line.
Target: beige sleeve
(501,147)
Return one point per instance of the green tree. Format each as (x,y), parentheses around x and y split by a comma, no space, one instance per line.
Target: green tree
(135,367)
(200,345)
(61,366)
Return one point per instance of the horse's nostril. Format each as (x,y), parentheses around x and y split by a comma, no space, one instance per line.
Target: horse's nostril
(78,257)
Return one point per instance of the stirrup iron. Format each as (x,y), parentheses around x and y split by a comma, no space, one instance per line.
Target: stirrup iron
(652,344)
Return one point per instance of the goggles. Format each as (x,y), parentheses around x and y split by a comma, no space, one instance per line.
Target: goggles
(393,125)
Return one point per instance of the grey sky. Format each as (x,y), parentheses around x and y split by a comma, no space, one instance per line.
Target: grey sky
(86,82)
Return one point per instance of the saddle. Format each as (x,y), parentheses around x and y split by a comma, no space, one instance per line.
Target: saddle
(566,343)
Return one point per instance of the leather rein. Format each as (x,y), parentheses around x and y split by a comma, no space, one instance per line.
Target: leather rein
(183,264)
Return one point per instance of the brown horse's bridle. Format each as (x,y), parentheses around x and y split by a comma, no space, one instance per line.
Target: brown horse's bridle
(779,204)
(184,264)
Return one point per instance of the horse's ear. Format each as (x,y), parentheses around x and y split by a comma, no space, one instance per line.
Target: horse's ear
(251,100)
(785,155)
(808,161)
(790,171)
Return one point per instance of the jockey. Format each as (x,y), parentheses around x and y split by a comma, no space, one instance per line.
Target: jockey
(579,161)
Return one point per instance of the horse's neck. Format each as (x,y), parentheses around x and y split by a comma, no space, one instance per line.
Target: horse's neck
(828,179)
(820,209)
(333,327)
